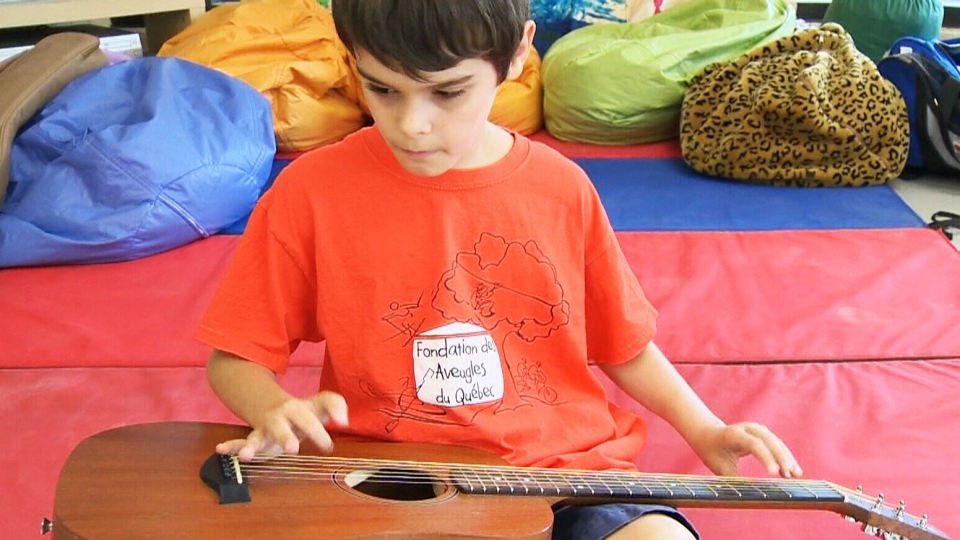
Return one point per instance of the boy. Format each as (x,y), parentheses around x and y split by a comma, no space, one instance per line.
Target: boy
(461,277)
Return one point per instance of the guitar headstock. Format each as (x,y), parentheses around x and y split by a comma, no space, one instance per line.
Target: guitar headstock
(885,521)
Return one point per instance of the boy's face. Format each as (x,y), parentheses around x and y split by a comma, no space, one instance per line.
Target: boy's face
(435,125)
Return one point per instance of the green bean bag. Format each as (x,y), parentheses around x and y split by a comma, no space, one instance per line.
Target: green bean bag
(876,24)
(622,83)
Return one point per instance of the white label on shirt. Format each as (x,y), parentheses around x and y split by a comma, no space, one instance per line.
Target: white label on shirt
(457,364)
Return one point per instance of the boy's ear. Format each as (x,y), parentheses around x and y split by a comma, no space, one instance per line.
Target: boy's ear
(523,51)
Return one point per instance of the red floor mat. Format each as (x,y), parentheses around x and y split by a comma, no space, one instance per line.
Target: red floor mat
(140,313)
(723,297)
(787,296)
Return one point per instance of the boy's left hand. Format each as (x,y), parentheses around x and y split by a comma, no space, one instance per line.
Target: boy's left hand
(721,447)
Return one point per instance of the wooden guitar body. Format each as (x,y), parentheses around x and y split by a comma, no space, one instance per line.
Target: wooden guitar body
(143,482)
(163,480)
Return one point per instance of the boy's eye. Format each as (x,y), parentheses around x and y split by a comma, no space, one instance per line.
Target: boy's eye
(450,94)
(377,89)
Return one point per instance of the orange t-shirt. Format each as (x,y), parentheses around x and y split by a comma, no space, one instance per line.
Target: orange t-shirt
(461,308)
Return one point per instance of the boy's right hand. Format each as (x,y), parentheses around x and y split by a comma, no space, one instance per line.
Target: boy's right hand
(280,430)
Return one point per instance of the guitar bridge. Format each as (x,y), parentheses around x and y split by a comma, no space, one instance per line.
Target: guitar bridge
(223,475)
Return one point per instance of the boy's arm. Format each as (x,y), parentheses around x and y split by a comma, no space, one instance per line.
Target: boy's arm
(652,380)
(279,420)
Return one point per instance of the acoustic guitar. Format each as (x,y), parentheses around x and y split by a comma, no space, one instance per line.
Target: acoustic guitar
(161,480)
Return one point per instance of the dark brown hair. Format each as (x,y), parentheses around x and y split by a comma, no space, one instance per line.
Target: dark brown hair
(420,36)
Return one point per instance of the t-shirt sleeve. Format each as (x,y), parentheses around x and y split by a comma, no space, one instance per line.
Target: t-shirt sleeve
(266,304)
(620,321)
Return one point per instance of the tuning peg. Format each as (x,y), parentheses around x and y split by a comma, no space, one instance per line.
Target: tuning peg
(46,526)
(900,510)
(879,504)
(923,523)
(880,533)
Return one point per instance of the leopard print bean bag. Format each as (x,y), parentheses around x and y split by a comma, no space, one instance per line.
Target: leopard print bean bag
(805,110)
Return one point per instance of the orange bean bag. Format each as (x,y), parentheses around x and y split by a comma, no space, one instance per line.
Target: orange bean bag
(290,52)
(519,103)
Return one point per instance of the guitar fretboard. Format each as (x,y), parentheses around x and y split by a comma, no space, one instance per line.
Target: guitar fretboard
(621,485)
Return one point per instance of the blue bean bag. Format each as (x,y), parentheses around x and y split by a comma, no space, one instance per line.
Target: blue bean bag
(134,159)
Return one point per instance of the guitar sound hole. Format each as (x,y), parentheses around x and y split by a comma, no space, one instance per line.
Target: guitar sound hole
(395,484)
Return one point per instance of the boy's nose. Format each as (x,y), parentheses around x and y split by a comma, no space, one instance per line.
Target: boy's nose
(415,118)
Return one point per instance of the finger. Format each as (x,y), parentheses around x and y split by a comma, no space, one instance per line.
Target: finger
(244,449)
(789,467)
(331,407)
(305,420)
(229,448)
(281,431)
(776,457)
(757,444)
(328,407)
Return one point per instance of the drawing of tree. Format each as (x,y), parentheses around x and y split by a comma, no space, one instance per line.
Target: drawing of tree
(507,288)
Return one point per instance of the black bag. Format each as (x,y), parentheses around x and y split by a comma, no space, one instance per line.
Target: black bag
(926,73)
(944,221)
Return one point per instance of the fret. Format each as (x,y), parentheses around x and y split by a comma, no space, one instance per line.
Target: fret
(686,486)
(726,491)
(524,481)
(580,485)
(627,487)
(658,489)
(776,492)
(509,484)
(556,487)
(461,478)
(601,479)
(821,492)
(529,480)
(713,492)
(701,490)
(745,490)
(494,481)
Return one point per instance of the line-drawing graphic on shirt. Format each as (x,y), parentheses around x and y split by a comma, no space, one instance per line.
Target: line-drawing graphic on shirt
(404,404)
(403,318)
(502,292)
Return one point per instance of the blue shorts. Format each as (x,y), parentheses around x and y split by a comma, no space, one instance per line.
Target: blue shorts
(600,521)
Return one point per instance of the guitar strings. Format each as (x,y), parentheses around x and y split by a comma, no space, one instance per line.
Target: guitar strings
(599,483)
(386,471)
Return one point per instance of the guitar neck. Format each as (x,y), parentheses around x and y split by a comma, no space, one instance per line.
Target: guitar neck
(876,517)
(677,490)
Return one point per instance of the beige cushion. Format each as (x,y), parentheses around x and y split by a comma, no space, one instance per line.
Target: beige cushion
(31,79)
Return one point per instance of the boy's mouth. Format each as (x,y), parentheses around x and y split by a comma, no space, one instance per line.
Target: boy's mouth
(417,154)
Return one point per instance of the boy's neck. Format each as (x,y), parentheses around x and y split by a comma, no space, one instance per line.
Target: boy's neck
(495,143)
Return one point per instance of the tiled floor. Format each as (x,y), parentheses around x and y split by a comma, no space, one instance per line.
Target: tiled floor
(929,194)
